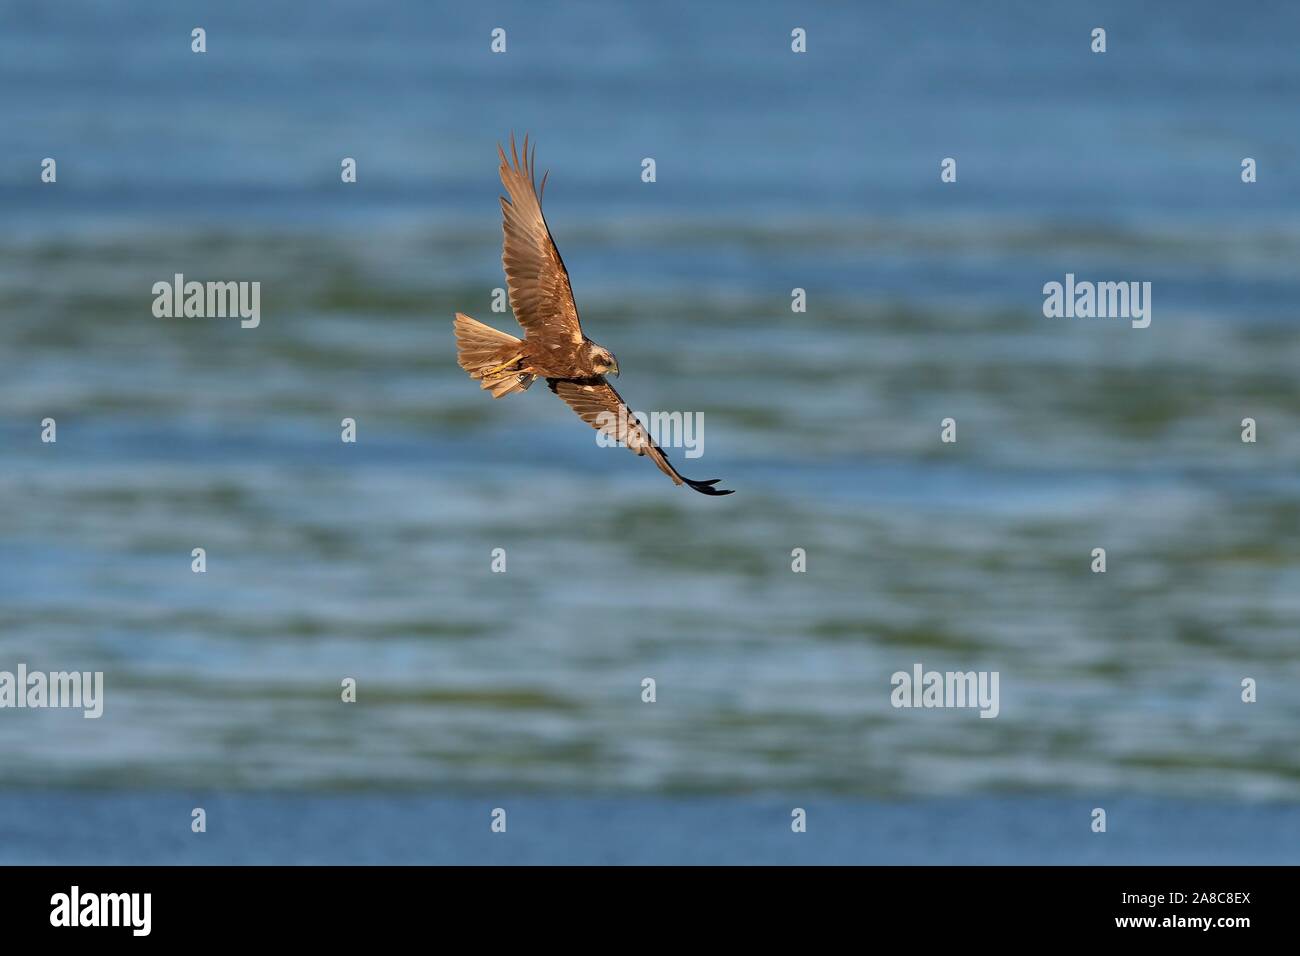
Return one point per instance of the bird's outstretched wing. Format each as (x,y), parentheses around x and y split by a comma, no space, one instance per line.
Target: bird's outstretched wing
(540,293)
(602,408)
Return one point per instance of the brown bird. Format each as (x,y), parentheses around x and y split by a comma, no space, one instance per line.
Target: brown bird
(554,346)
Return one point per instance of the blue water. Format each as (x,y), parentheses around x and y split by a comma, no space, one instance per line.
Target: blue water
(155,829)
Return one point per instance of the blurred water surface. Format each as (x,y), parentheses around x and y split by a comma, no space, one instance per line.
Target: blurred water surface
(249,829)
(775,171)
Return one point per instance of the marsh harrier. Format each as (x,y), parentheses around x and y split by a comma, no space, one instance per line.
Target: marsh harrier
(554,346)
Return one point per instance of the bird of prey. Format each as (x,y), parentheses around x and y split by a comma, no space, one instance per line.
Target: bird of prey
(554,346)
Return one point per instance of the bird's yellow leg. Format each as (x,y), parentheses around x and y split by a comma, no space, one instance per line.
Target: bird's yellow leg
(502,367)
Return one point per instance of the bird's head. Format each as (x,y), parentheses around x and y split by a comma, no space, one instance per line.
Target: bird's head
(603,361)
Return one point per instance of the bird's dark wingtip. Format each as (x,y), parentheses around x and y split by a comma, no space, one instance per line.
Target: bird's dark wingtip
(706,487)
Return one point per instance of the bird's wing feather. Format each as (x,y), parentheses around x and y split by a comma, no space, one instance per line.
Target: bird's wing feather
(602,408)
(540,293)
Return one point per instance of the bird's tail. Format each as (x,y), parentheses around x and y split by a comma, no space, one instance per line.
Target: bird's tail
(490,356)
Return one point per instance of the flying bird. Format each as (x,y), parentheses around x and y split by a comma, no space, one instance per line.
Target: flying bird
(554,346)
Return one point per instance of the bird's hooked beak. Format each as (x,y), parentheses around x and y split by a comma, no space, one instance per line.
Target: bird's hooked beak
(613,365)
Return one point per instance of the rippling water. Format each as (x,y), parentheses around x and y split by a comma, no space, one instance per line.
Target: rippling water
(371,560)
